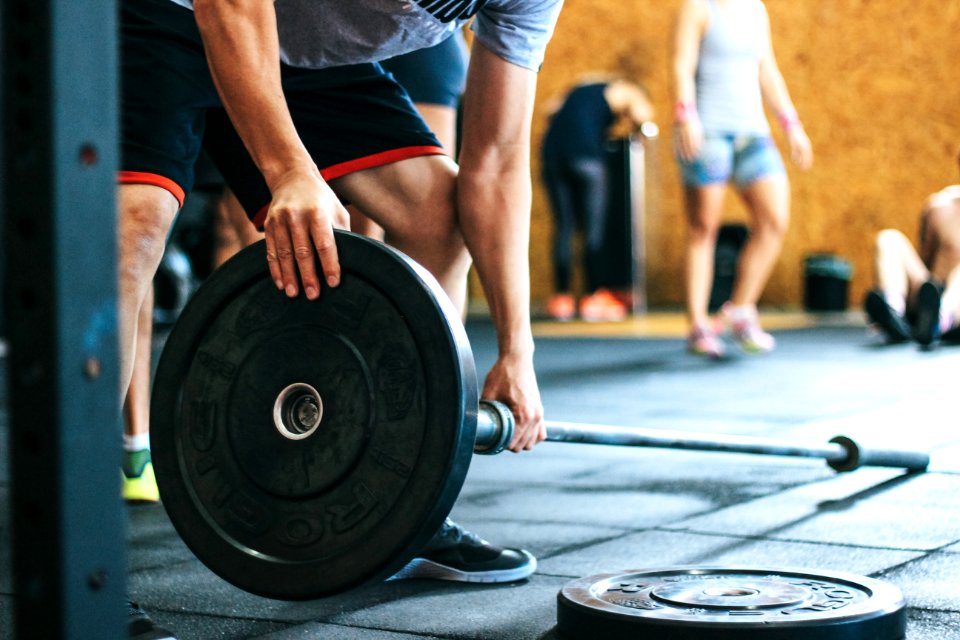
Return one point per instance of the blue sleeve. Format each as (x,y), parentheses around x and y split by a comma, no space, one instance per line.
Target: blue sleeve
(517,30)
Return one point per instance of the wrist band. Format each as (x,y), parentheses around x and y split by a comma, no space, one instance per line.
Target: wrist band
(788,119)
(684,112)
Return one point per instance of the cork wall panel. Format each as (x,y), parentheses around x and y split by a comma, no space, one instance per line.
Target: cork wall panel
(876,83)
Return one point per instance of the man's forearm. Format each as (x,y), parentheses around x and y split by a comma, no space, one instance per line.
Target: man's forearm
(495,219)
(494,191)
(243,51)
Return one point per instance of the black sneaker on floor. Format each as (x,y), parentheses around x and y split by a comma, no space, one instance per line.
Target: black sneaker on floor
(927,326)
(456,554)
(141,627)
(893,325)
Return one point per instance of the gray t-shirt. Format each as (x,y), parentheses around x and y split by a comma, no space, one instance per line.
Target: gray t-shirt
(329,33)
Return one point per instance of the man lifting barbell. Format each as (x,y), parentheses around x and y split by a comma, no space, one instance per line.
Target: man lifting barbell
(300,118)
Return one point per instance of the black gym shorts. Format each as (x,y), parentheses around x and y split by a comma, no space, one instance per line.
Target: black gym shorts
(350,118)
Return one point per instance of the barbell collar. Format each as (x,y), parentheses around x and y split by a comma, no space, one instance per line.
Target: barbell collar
(857,456)
(495,427)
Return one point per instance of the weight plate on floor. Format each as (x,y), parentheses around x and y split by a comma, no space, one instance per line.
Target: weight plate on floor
(735,603)
(303,448)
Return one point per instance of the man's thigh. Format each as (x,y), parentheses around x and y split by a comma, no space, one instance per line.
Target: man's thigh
(415,195)
(351,120)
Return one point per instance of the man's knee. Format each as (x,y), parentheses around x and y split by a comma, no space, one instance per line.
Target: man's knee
(431,217)
(437,237)
(145,216)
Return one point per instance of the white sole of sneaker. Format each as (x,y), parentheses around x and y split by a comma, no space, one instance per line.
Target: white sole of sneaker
(423,568)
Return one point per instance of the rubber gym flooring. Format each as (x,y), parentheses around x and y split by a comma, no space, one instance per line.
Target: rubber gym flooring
(590,509)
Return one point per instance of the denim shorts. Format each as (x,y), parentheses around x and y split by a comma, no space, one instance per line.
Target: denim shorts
(724,157)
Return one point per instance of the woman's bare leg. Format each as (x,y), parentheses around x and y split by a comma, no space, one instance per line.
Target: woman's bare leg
(704,208)
(768,202)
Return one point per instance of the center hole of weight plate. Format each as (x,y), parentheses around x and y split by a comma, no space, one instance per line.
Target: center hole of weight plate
(297,411)
(730,591)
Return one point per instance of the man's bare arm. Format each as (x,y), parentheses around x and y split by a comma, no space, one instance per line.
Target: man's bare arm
(242,46)
(494,200)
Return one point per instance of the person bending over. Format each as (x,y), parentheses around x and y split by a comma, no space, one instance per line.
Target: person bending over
(434,79)
(917,293)
(576,174)
(298,115)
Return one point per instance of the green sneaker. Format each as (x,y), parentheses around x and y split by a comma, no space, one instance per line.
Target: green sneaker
(139,482)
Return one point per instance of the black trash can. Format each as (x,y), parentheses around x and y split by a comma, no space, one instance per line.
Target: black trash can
(826,282)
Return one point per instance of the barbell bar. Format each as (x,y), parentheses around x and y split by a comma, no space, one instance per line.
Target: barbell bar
(496,425)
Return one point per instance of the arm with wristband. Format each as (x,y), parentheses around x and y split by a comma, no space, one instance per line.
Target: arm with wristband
(775,95)
(691,23)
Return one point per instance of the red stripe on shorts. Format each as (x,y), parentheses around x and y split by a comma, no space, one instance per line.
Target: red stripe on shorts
(359,164)
(379,159)
(139,177)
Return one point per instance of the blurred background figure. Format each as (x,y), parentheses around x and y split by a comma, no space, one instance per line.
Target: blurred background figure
(918,293)
(724,71)
(576,174)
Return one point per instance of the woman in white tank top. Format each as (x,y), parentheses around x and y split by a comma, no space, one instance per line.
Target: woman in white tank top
(725,73)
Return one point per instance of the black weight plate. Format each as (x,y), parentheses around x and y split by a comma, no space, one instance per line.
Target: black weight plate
(731,603)
(354,501)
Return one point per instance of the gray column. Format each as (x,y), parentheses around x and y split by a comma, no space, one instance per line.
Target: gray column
(60,94)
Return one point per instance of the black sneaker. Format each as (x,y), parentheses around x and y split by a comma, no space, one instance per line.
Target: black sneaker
(927,326)
(456,554)
(893,325)
(141,627)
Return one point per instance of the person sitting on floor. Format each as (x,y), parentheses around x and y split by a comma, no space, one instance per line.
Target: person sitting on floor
(918,292)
